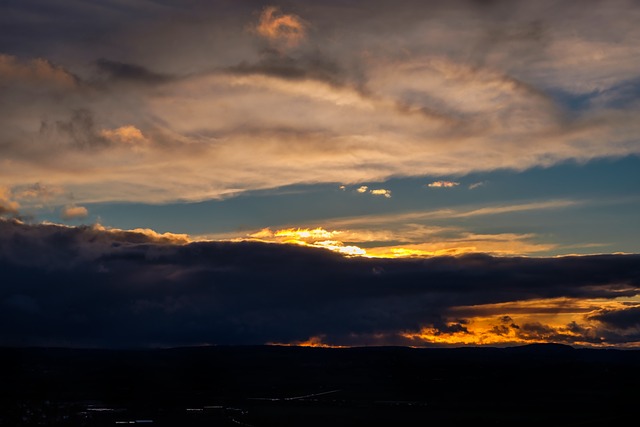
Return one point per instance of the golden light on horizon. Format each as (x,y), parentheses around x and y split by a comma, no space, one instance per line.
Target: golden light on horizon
(374,243)
(563,320)
(314,341)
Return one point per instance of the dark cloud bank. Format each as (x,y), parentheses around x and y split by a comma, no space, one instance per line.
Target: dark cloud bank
(86,286)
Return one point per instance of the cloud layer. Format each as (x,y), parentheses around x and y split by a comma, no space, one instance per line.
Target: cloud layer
(91,286)
(204,100)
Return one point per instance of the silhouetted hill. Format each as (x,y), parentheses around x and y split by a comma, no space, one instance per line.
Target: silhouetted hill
(292,386)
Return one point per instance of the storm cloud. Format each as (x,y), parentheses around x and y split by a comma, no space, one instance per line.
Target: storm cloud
(91,286)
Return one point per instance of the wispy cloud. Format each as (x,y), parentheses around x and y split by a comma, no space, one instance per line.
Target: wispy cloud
(477,184)
(407,217)
(495,210)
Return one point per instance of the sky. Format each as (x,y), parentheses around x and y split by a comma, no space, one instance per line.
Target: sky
(344,172)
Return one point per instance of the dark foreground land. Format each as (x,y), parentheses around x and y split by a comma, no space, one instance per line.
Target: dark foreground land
(288,386)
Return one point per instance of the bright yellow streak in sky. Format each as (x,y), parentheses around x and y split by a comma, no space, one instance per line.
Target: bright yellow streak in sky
(336,240)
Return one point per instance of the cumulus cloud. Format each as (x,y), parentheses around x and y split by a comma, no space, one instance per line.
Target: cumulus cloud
(443,184)
(376,192)
(91,286)
(381,192)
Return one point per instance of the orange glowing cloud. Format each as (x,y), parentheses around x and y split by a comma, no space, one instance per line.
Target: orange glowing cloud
(288,29)
(7,205)
(417,241)
(125,134)
(316,237)
(564,320)
(74,212)
(505,244)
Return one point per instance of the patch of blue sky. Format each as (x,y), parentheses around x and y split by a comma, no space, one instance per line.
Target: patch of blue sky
(602,196)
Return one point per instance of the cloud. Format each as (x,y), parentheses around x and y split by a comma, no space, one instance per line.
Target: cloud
(121,71)
(129,135)
(78,131)
(443,184)
(402,240)
(288,29)
(381,192)
(620,318)
(477,184)
(496,210)
(35,71)
(306,66)
(462,212)
(73,212)
(375,192)
(316,237)
(372,93)
(417,234)
(8,206)
(459,241)
(91,286)
(38,192)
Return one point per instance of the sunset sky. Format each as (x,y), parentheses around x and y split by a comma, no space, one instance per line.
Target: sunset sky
(403,172)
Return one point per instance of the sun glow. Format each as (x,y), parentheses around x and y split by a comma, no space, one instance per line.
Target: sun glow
(315,341)
(426,243)
(562,320)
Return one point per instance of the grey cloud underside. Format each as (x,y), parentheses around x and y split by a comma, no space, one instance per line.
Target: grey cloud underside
(121,71)
(85,286)
(308,66)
